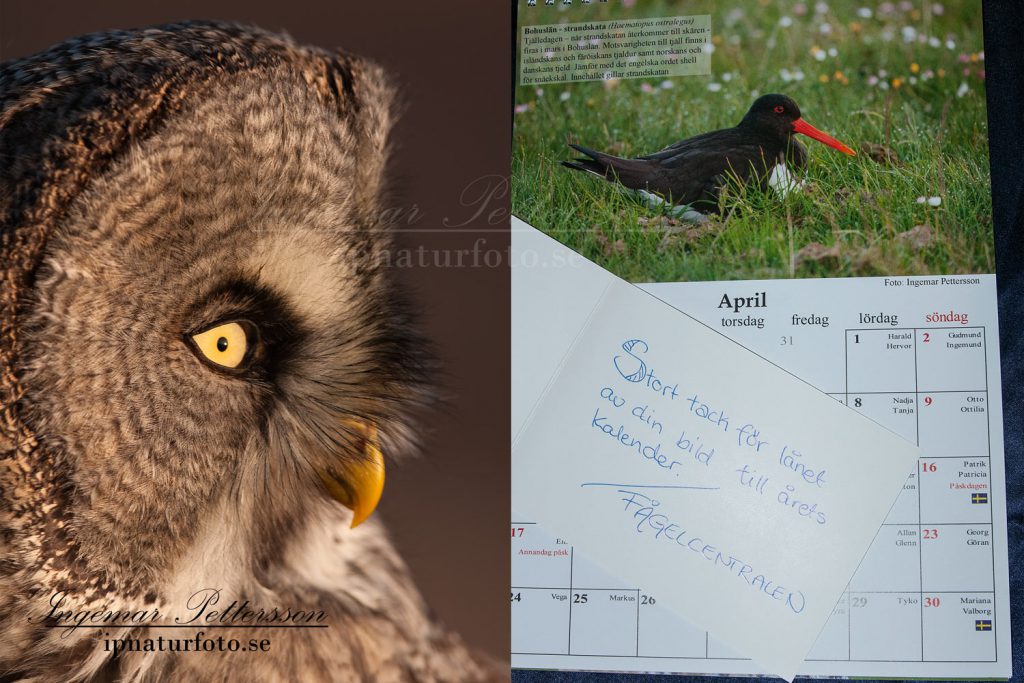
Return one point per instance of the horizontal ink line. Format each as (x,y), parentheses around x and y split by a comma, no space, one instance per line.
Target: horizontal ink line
(653,486)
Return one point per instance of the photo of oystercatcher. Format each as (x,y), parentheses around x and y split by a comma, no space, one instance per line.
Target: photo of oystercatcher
(828,139)
(692,172)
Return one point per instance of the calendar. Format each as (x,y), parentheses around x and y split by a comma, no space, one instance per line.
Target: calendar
(671,143)
(919,355)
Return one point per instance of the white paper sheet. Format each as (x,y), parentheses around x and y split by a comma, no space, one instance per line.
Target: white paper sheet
(676,458)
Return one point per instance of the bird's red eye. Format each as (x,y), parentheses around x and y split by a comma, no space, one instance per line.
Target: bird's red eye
(779,109)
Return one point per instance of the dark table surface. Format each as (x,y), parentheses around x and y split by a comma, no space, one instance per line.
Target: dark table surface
(1004,66)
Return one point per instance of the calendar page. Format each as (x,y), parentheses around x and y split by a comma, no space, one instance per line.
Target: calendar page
(930,599)
(811,180)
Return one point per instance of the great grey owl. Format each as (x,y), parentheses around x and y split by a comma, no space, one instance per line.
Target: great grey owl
(204,363)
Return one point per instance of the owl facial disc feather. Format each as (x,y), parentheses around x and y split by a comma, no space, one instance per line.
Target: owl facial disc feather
(202,353)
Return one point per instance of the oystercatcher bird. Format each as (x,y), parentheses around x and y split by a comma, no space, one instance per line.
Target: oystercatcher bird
(691,173)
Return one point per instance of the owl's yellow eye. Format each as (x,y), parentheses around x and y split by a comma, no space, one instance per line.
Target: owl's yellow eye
(225,345)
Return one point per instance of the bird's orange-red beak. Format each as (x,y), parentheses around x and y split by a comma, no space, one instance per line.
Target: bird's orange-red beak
(801,126)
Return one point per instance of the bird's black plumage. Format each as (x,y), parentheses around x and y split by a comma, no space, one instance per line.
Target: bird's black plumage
(693,171)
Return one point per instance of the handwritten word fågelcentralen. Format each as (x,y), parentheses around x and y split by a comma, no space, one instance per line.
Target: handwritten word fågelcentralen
(642,510)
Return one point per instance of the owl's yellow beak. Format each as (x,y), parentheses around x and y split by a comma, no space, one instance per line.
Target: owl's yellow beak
(359,485)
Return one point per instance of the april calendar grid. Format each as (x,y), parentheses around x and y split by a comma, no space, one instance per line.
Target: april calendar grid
(929,590)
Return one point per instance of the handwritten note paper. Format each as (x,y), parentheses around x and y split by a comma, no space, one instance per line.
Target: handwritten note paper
(681,461)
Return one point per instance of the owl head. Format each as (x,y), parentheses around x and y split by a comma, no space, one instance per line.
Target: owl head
(198,327)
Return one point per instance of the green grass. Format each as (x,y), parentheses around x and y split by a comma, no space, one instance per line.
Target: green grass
(855,207)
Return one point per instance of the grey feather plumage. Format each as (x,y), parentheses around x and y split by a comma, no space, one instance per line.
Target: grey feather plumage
(150,181)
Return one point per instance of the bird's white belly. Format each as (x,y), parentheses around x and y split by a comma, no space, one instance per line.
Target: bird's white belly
(783,181)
